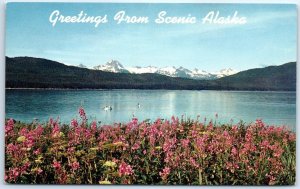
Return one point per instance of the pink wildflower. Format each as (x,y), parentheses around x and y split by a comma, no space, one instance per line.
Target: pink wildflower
(193,162)
(74,166)
(37,152)
(25,167)
(265,144)
(165,172)
(9,127)
(39,170)
(94,126)
(55,131)
(74,123)
(11,148)
(185,143)
(134,121)
(71,150)
(234,151)
(125,169)
(82,113)
(292,137)
(234,129)
(56,165)
(14,174)
(136,146)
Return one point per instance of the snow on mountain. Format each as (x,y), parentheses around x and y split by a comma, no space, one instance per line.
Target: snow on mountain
(201,74)
(172,71)
(183,72)
(140,70)
(112,66)
(168,71)
(225,72)
(194,74)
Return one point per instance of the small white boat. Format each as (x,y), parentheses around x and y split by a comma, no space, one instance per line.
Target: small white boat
(106,108)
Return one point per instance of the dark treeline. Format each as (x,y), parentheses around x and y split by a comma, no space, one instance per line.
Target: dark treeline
(28,72)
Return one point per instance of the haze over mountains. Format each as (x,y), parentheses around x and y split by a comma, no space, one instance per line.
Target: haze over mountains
(30,72)
(116,67)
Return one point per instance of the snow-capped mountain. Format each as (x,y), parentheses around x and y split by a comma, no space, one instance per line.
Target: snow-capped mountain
(172,71)
(140,70)
(112,66)
(201,74)
(168,71)
(225,72)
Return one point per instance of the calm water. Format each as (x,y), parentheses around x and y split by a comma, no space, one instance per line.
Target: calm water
(277,108)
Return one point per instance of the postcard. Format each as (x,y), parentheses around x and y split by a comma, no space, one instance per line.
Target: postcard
(150,93)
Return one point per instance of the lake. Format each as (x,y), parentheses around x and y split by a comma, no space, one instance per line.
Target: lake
(278,108)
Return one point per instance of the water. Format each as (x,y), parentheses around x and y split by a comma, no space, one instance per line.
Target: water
(278,108)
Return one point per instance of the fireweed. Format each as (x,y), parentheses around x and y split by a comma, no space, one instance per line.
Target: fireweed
(163,152)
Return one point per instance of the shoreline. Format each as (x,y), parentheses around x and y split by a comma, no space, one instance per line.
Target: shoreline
(91,89)
(214,121)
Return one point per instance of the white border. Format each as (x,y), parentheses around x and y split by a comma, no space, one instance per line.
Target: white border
(2,83)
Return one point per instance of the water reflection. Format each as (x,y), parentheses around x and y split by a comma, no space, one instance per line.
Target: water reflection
(273,107)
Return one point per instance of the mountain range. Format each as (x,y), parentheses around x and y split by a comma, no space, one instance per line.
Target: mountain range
(30,72)
(115,66)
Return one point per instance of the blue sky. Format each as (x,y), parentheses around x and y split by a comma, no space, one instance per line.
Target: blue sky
(268,38)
